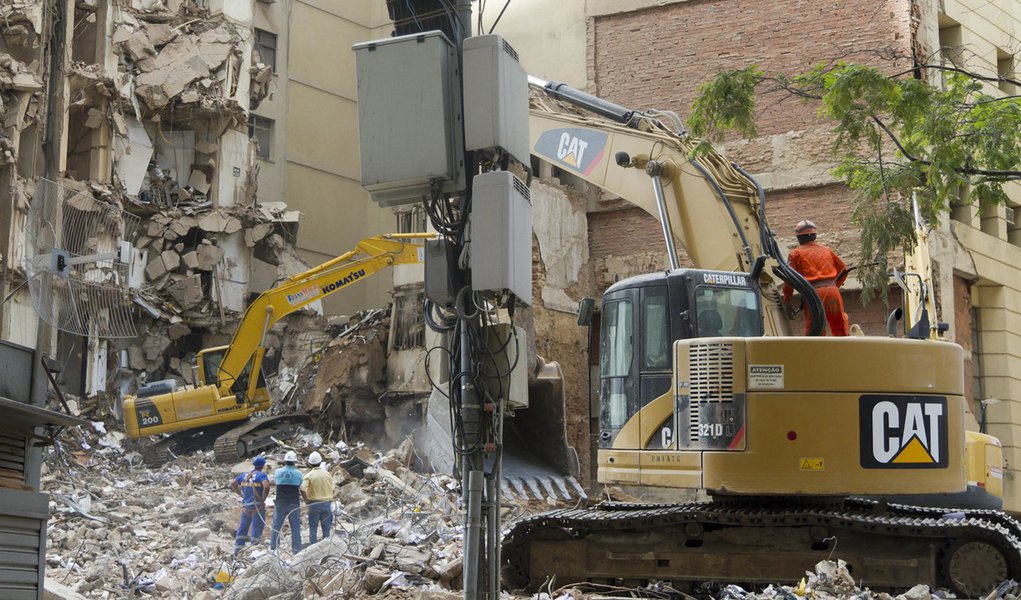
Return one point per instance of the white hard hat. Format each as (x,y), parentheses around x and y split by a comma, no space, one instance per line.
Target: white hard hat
(290,457)
(315,458)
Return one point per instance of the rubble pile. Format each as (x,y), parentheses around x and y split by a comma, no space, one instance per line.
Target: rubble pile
(343,385)
(183,292)
(829,580)
(117,527)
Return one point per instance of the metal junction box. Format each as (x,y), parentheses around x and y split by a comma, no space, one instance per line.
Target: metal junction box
(409,117)
(495,97)
(501,235)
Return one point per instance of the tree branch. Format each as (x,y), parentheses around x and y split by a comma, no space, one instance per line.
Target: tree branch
(1007,175)
(955,69)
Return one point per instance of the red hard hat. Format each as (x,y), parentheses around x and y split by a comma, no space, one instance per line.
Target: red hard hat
(804,227)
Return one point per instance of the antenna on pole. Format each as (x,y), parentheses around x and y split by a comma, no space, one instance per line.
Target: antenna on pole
(81,261)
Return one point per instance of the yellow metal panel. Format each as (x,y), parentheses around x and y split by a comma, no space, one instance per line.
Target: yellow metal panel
(784,429)
(985,462)
(618,466)
(652,416)
(667,468)
(862,364)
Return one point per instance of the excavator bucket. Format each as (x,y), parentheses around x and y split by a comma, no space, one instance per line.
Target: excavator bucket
(538,462)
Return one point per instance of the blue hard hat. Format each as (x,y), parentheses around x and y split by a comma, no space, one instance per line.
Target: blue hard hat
(259,462)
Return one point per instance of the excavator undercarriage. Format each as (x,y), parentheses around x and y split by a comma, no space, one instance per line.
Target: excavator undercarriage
(886,546)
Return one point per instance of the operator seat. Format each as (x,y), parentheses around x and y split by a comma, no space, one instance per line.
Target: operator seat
(710,323)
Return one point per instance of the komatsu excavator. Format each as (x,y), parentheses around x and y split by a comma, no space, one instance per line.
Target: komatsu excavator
(809,447)
(230,383)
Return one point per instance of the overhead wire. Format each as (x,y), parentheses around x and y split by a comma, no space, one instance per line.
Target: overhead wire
(499,16)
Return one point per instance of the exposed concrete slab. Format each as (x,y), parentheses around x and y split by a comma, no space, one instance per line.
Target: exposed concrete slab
(132,155)
(561,229)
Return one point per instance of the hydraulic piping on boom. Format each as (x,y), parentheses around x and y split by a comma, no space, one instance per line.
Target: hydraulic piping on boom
(653,123)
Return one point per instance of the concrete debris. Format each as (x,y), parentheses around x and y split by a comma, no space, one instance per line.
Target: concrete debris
(16,76)
(351,366)
(184,60)
(208,256)
(169,532)
(262,75)
(830,580)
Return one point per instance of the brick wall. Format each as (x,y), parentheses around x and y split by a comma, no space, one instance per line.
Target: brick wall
(657,58)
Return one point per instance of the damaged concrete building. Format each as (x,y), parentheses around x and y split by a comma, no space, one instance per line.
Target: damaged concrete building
(151,101)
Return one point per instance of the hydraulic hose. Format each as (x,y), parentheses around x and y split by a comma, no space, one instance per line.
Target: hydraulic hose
(730,208)
(783,270)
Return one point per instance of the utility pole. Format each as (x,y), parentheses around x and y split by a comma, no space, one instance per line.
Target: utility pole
(413,81)
(480,573)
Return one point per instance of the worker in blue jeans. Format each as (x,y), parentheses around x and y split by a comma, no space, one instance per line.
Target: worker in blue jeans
(317,491)
(253,487)
(287,480)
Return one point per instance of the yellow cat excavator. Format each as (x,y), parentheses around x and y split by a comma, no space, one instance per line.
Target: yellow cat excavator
(809,447)
(230,384)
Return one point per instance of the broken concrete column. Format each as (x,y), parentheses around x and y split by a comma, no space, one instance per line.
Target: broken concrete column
(208,256)
(185,289)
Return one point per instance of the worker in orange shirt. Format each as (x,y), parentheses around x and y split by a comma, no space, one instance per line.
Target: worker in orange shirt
(825,271)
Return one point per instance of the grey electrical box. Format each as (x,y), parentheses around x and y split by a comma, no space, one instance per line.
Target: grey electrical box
(441,284)
(495,97)
(409,117)
(501,235)
(506,376)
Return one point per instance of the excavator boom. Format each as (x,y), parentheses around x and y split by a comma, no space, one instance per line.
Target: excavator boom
(230,386)
(707,206)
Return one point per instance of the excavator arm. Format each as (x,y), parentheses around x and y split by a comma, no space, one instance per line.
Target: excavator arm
(705,205)
(297,292)
(228,385)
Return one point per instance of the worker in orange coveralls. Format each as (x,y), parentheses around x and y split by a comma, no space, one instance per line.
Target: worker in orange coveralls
(825,271)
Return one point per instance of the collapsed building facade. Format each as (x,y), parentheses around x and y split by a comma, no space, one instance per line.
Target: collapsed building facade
(150,103)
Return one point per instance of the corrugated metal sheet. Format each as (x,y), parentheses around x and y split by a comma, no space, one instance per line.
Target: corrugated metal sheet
(12,453)
(22,546)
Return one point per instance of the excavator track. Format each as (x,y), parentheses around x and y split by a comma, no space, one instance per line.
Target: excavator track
(886,547)
(158,453)
(255,435)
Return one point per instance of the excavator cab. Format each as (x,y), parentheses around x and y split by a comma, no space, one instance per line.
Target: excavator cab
(208,364)
(642,317)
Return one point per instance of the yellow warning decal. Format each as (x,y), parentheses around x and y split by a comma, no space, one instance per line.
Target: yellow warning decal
(812,464)
(914,452)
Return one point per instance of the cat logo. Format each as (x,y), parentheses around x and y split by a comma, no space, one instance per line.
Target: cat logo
(903,432)
(580,150)
(571,149)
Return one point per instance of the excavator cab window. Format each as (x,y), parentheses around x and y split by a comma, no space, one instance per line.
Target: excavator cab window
(211,366)
(240,386)
(727,311)
(615,352)
(656,347)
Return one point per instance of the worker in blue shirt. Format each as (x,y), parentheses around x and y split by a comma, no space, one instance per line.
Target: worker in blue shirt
(253,487)
(287,480)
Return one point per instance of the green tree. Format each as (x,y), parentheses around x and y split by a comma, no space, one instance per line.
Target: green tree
(896,136)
